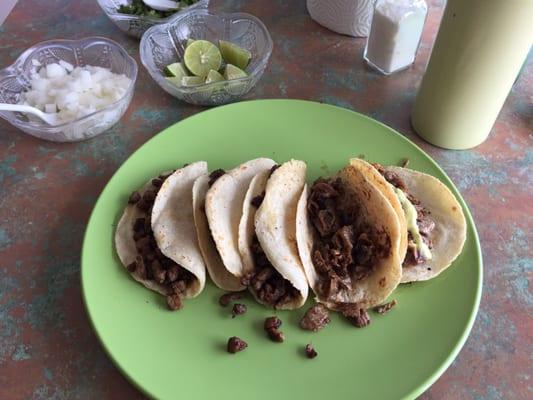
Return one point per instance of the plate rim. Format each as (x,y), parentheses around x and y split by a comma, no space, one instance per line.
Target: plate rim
(422,386)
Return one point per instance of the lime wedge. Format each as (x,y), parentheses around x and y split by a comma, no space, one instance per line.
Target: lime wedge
(174,80)
(192,81)
(213,76)
(189,41)
(175,70)
(233,72)
(201,56)
(233,54)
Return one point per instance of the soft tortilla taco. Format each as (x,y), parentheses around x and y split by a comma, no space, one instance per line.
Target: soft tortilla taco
(432,219)
(223,208)
(156,239)
(349,239)
(220,276)
(278,279)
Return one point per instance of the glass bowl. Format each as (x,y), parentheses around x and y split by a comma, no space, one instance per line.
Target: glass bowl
(164,44)
(97,51)
(136,25)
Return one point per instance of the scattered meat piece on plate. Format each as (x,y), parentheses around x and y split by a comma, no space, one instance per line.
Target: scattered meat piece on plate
(276,335)
(385,308)
(310,351)
(272,323)
(316,318)
(271,327)
(227,298)
(238,309)
(355,314)
(236,344)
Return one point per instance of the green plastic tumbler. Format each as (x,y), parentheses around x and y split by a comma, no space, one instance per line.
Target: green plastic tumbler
(480,47)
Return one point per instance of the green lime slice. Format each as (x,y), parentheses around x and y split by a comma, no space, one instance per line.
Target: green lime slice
(233,54)
(233,72)
(201,56)
(213,76)
(189,41)
(175,70)
(192,81)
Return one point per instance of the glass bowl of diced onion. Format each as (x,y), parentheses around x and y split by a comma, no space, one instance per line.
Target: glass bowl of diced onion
(88,82)
(165,44)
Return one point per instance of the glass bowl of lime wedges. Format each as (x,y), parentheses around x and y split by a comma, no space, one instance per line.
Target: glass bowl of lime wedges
(205,58)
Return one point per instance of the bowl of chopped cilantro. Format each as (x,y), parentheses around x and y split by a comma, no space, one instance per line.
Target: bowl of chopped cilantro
(134,17)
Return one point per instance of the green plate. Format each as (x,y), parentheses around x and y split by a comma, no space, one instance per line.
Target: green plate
(171,355)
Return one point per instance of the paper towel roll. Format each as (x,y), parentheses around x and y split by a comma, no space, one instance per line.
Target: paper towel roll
(349,17)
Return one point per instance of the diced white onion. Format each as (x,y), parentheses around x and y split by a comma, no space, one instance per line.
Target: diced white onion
(55,71)
(68,66)
(73,92)
(50,108)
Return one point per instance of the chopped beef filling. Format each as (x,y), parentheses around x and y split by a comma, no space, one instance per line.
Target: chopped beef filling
(385,308)
(156,182)
(391,177)
(134,198)
(276,335)
(316,318)
(257,200)
(274,167)
(357,315)
(310,351)
(238,309)
(227,298)
(174,302)
(236,344)
(267,283)
(271,327)
(150,263)
(213,176)
(423,220)
(345,250)
(272,323)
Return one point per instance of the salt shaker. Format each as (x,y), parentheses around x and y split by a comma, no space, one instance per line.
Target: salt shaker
(395,34)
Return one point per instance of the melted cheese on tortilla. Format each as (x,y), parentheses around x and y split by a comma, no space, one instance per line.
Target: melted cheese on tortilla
(412,227)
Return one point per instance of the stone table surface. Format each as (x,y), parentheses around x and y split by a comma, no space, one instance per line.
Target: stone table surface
(47,191)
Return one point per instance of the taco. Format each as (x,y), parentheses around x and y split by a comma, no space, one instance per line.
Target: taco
(220,276)
(156,240)
(278,279)
(223,208)
(349,239)
(431,217)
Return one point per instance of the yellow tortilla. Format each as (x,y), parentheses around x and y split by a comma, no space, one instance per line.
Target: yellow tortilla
(275,226)
(215,267)
(246,225)
(173,222)
(386,190)
(223,208)
(375,210)
(449,234)
(192,261)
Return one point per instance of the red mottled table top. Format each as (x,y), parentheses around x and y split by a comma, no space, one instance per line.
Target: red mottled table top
(47,191)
